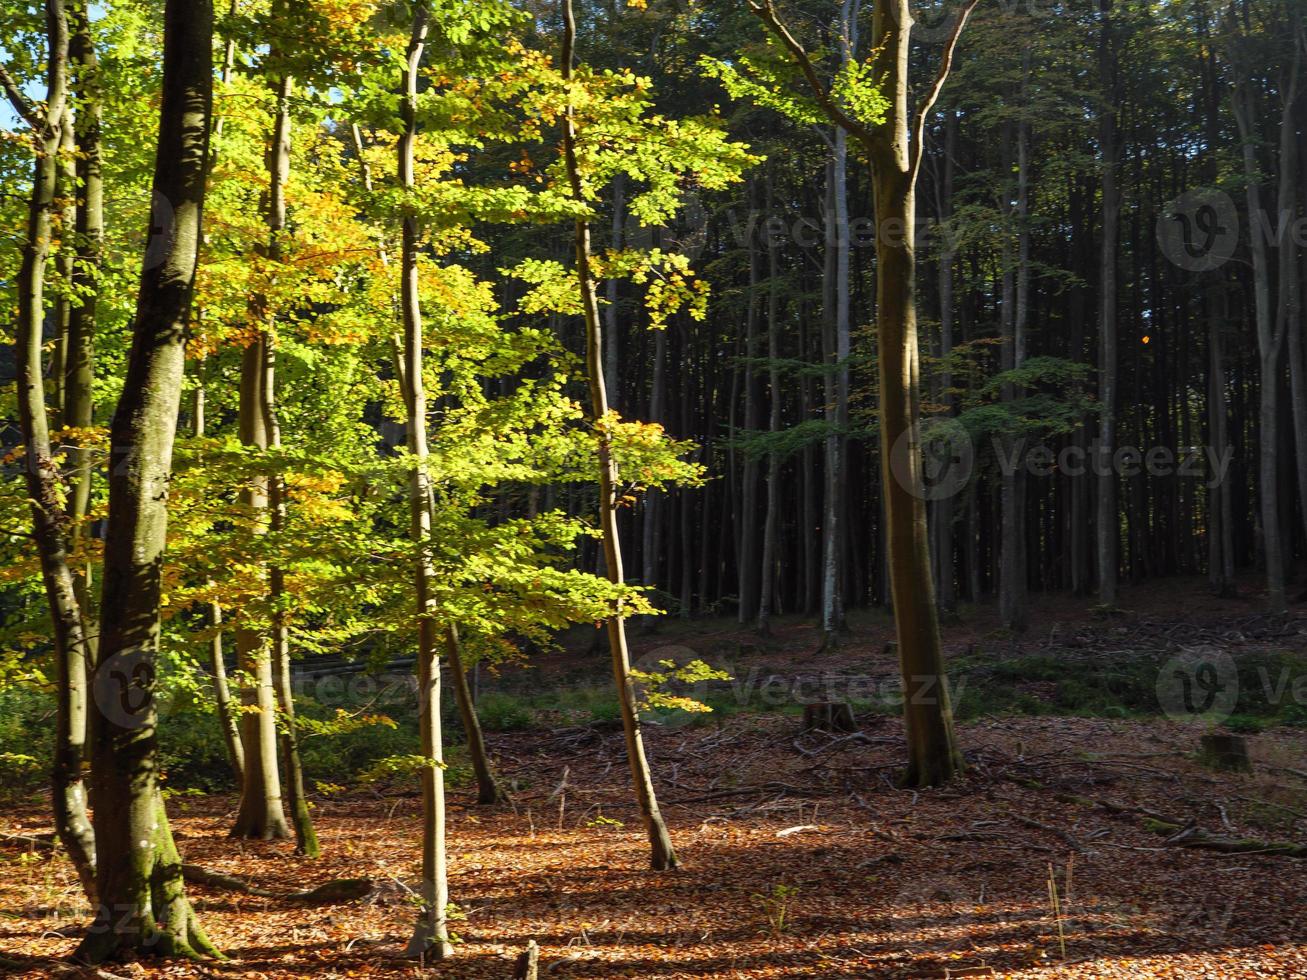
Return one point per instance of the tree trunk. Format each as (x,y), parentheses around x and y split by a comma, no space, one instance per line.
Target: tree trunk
(1289,304)
(1014,600)
(261,814)
(79,363)
(142,902)
(431,932)
(945,579)
(1108,527)
(488,789)
(767,569)
(1270,345)
(49,520)
(662,855)
(933,754)
(749,561)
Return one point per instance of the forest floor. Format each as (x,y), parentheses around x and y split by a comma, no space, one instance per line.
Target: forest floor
(800,856)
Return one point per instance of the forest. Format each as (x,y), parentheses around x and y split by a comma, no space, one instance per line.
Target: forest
(653,488)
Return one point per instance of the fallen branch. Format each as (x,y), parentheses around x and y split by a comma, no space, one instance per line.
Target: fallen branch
(215,879)
(1199,839)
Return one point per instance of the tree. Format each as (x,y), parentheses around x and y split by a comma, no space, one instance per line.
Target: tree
(50,524)
(143,907)
(892,138)
(662,854)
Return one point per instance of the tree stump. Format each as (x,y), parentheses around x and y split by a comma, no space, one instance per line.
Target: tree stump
(528,963)
(1228,753)
(828,716)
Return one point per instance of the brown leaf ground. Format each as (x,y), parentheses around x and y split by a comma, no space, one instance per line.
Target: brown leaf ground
(882,882)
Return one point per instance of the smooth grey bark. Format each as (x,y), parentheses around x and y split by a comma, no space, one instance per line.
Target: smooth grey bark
(430,938)
(306,838)
(143,907)
(1270,346)
(50,522)
(662,855)
(262,814)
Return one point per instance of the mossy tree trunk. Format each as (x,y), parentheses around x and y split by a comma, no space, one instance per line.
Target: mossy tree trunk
(143,907)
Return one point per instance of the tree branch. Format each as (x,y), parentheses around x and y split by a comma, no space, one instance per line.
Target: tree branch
(941,76)
(24,106)
(766,12)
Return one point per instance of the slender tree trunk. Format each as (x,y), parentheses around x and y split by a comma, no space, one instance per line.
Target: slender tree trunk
(1108,524)
(612,356)
(488,787)
(306,838)
(224,707)
(767,571)
(1014,599)
(946,578)
(662,855)
(1289,301)
(143,907)
(431,932)
(749,561)
(1270,345)
(49,520)
(79,365)
(261,814)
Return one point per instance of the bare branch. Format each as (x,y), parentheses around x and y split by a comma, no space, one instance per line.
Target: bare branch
(941,76)
(766,12)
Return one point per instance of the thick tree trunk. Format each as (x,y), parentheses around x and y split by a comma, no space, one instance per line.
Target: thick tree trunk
(933,753)
(142,903)
(430,937)
(49,520)
(662,854)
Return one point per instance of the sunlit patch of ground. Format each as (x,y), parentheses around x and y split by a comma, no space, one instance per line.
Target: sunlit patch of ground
(877,882)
